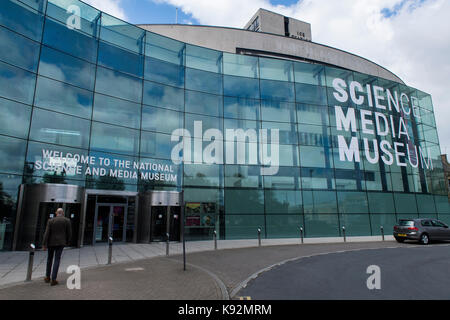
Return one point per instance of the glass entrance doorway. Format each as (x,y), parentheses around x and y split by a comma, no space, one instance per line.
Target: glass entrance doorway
(110,221)
(165,220)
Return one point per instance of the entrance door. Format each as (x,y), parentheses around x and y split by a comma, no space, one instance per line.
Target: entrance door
(111,221)
(165,220)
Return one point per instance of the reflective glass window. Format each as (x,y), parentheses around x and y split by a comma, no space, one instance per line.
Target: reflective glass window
(203,175)
(12,153)
(309,73)
(204,123)
(288,155)
(244,201)
(355,224)
(306,93)
(164,72)
(18,50)
(79,44)
(204,103)
(286,178)
(274,69)
(163,96)
(283,202)
(243,226)
(277,90)
(69,99)
(311,156)
(59,66)
(111,138)
(59,129)
(352,202)
(311,135)
(240,65)
(204,81)
(14,119)
(241,108)
(425,203)
(333,73)
(243,176)
(22,19)
(120,59)
(283,226)
(165,49)
(287,131)
(38,5)
(156,145)
(118,84)
(318,178)
(241,87)
(122,34)
(312,114)
(405,203)
(319,202)
(277,111)
(321,225)
(150,177)
(16,83)
(381,202)
(203,59)
(117,111)
(161,120)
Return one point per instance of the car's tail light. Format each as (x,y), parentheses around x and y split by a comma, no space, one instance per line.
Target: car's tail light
(395,227)
(413,228)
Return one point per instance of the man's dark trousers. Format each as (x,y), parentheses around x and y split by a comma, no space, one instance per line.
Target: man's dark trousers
(53,252)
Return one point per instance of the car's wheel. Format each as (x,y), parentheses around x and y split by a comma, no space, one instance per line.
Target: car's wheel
(424,239)
(400,240)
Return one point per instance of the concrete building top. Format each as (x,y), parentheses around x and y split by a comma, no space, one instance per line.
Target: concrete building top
(233,40)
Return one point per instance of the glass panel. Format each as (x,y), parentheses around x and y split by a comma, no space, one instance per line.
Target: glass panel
(203,175)
(244,202)
(163,96)
(312,114)
(332,73)
(59,129)
(153,177)
(15,118)
(241,87)
(18,50)
(315,157)
(58,36)
(117,111)
(287,131)
(281,226)
(381,202)
(283,202)
(203,103)
(285,178)
(321,225)
(241,108)
(425,203)
(164,72)
(22,19)
(204,81)
(118,84)
(309,73)
(69,99)
(387,221)
(165,49)
(277,90)
(317,178)
(161,120)
(319,202)
(60,66)
(206,122)
(203,59)
(311,135)
(16,83)
(156,145)
(62,11)
(114,139)
(276,69)
(243,176)
(405,204)
(120,59)
(240,65)
(352,202)
(355,224)
(122,34)
(306,93)
(278,111)
(12,153)
(243,226)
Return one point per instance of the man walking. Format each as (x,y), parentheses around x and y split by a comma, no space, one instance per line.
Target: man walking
(57,235)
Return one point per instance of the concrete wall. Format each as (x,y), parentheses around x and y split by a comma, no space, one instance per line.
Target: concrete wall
(228,39)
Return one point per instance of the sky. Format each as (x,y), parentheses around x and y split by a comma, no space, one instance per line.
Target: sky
(411,38)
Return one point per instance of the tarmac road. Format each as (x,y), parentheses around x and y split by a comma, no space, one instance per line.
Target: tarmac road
(413,272)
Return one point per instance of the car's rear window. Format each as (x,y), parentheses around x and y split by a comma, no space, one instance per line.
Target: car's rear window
(407,223)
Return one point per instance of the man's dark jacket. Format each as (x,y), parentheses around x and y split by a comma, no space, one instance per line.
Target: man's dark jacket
(58,232)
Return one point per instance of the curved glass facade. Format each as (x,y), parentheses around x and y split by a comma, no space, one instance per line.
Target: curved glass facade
(90,100)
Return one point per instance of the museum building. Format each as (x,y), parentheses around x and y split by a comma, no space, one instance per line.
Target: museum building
(143,133)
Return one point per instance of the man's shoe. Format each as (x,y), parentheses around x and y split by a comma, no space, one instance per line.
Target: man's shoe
(54,283)
(47,280)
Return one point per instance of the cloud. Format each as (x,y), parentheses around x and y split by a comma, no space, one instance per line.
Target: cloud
(408,37)
(112,7)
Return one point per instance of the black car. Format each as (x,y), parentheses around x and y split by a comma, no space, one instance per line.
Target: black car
(422,230)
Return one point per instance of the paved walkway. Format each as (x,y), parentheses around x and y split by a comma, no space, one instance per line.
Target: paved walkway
(210,274)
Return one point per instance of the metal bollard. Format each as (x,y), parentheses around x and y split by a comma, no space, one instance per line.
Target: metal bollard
(343,232)
(382,232)
(110,243)
(259,237)
(167,244)
(215,239)
(30,262)
(301,233)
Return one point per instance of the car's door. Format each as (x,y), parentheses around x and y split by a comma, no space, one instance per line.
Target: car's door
(439,229)
(445,230)
(427,227)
